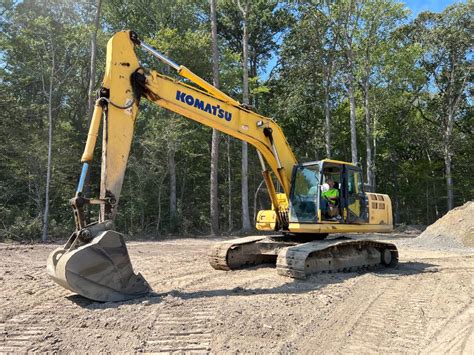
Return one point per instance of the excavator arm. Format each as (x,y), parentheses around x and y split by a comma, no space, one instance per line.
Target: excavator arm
(125,83)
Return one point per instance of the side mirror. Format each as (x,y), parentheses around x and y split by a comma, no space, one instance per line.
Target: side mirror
(367,187)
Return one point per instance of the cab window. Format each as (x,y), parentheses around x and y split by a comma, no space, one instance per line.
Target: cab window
(354,183)
(305,194)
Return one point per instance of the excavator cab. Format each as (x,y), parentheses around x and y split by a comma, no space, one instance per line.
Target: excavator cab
(306,192)
(352,200)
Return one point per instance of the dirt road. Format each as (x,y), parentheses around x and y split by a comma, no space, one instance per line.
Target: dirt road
(425,305)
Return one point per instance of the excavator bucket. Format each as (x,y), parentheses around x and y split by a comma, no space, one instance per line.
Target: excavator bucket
(99,270)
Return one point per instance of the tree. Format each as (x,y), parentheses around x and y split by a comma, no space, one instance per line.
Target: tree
(262,21)
(379,19)
(93,67)
(43,51)
(311,53)
(350,24)
(245,8)
(447,42)
(215,133)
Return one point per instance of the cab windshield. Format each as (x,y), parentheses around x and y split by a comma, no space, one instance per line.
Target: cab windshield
(305,194)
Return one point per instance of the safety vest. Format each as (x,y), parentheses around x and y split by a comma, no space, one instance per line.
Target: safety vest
(331,195)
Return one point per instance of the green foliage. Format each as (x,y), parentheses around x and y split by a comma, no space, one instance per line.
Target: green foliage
(41,41)
(415,67)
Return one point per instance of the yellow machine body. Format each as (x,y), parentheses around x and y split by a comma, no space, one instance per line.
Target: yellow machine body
(267,220)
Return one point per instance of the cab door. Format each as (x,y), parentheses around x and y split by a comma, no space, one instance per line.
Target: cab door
(355,197)
(304,195)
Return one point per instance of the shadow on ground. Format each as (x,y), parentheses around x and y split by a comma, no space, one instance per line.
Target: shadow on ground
(312,283)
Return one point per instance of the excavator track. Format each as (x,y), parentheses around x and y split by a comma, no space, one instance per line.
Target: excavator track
(302,260)
(240,253)
(299,260)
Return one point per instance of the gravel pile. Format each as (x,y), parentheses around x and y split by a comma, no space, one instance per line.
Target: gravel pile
(454,230)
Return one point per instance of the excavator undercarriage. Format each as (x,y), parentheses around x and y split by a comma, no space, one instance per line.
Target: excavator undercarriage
(298,259)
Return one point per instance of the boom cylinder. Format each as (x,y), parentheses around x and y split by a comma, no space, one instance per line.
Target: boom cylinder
(188,74)
(93,133)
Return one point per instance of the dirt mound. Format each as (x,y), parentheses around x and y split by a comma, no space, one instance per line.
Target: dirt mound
(454,230)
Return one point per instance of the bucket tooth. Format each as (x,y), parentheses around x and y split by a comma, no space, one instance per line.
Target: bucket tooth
(100,270)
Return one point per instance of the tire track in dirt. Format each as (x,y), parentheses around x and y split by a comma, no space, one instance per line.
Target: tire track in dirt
(26,323)
(35,283)
(182,326)
(24,329)
(376,315)
(183,281)
(406,313)
(456,335)
(185,323)
(27,329)
(395,311)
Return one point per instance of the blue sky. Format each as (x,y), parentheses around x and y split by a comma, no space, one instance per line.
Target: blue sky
(416,6)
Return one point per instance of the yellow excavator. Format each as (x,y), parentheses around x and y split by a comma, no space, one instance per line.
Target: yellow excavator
(95,262)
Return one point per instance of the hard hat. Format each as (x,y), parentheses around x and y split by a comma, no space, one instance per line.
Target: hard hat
(325,187)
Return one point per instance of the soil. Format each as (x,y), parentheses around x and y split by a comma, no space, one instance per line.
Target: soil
(454,229)
(424,305)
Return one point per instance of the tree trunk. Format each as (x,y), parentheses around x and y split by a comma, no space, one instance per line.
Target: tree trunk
(229,185)
(172,172)
(255,195)
(351,93)
(50,144)
(245,192)
(158,217)
(90,92)
(434,193)
(181,200)
(453,101)
(395,200)
(327,122)
(368,135)
(245,93)
(215,133)
(374,154)
(447,161)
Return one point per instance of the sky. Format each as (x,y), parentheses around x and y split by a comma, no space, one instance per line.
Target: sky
(416,6)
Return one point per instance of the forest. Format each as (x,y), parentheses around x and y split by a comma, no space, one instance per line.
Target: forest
(363,81)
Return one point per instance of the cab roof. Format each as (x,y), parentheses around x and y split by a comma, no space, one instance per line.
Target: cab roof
(337,162)
(332,161)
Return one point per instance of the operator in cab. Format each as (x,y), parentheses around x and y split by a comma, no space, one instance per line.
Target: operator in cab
(329,200)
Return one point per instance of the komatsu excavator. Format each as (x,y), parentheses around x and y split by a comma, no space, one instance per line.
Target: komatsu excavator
(95,262)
